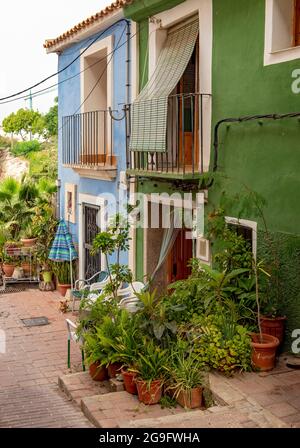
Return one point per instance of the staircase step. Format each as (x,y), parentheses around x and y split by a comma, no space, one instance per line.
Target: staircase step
(79,385)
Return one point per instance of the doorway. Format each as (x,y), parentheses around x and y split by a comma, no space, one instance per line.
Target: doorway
(179,257)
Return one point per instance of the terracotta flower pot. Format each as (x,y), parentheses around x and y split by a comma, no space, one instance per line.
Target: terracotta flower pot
(26,268)
(190,399)
(97,372)
(149,394)
(114,369)
(264,353)
(47,276)
(8,269)
(29,242)
(274,326)
(129,381)
(62,289)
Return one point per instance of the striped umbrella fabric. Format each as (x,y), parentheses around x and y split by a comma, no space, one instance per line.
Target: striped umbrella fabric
(150,109)
(62,247)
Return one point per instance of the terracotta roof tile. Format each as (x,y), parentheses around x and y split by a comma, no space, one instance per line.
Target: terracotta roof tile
(118,4)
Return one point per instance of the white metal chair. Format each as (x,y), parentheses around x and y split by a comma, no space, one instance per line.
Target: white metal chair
(72,336)
(83,287)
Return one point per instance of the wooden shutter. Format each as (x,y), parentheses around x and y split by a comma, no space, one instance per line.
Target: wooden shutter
(297,23)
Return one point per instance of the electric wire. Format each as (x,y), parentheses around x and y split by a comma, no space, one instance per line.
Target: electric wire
(66,67)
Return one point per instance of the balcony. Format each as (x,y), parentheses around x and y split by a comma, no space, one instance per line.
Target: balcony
(183,157)
(87,143)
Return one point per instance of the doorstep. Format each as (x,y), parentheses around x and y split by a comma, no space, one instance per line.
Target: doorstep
(79,385)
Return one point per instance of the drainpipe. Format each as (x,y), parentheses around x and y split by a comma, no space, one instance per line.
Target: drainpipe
(128,63)
(58,185)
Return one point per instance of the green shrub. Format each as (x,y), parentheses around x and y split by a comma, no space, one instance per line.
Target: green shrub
(23,148)
(220,344)
(4,142)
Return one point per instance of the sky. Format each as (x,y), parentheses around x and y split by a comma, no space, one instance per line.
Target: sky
(24,27)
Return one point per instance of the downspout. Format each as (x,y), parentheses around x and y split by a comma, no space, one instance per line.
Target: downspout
(128,63)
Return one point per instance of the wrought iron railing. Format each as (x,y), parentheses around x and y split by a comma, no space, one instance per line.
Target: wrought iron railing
(87,139)
(184,139)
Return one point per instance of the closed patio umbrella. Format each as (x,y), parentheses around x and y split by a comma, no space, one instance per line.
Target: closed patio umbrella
(62,247)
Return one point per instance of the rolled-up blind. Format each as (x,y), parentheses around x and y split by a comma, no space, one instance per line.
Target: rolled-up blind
(149,111)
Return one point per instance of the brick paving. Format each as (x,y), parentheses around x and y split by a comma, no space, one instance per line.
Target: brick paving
(35,357)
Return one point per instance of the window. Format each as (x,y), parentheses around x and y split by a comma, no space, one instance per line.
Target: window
(70,203)
(247,229)
(282,31)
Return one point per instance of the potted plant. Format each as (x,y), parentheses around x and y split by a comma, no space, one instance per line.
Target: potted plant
(8,266)
(273,320)
(12,247)
(151,372)
(62,271)
(28,237)
(186,380)
(264,346)
(93,355)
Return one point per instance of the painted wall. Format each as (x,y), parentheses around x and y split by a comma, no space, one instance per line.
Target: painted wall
(265,157)
(69,101)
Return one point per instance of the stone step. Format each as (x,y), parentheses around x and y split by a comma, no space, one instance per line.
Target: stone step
(79,385)
(112,409)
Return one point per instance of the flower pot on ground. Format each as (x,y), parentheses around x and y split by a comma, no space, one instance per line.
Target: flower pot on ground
(186,379)
(47,276)
(62,289)
(114,369)
(129,379)
(264,351)
(149,392)
(191,398)
(274,326)
(97,371)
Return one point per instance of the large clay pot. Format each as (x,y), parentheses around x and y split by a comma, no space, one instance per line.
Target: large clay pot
(114,369)
(264,352)
(190,399)
(97,372)
(129,381)
(28,242)
(274,326)
(8,269)
(149,394)
(62,289)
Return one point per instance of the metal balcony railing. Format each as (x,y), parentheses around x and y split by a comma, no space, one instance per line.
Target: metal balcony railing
(184,140)
(87,139)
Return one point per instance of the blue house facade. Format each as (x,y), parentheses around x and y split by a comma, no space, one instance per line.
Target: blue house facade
(92,92)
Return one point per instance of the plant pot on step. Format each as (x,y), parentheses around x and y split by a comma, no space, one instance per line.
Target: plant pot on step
(149,393)
(8,269)
(191,398)
(129,381)
(62,289)
(29,242)
(98,372)
(114,369)
(264,352)
(274,326)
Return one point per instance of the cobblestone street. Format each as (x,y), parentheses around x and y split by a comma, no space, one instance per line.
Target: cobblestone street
(34,358)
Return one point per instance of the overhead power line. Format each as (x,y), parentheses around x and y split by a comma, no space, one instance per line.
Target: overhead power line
(64,68)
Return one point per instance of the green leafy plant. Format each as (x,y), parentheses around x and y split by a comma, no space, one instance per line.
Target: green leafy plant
(152,361)
(185,372)
(62,271)
(23,148)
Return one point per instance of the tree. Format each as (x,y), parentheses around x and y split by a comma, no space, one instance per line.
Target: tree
(51,119)
(23,122)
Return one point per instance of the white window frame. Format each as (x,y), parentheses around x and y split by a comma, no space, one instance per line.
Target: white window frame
(272,56)
(70,188)
(250,225)
(88,199)
(103,44)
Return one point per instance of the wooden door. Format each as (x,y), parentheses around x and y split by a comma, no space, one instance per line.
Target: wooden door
(179,257)
(297,23)
(189,112)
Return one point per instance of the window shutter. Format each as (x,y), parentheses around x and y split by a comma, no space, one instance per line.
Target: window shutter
(149,111)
